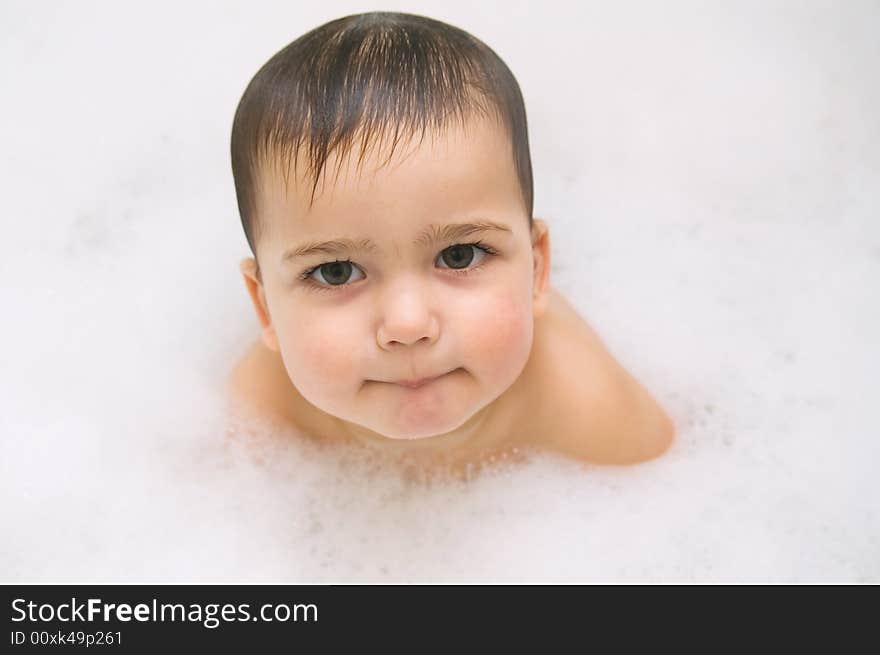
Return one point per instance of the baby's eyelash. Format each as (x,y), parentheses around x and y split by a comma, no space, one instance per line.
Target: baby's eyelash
(306,275)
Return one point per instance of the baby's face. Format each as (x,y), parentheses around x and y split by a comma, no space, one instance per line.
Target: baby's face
(410,299)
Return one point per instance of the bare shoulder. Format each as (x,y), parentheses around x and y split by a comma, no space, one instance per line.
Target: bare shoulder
(601,414)
(256,386)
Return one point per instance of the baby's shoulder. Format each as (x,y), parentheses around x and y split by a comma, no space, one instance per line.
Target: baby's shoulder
(593,409)
(256,387)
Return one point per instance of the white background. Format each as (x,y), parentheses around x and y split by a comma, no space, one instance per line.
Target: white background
(710,173)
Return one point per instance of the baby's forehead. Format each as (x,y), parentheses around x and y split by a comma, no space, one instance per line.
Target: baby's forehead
(444,177)
(458,151)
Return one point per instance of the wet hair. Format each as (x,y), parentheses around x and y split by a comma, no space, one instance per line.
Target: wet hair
(368,75)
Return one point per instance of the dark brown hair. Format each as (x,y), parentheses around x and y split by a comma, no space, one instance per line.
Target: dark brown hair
(368,74)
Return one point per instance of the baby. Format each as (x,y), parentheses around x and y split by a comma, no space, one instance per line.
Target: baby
(406,306)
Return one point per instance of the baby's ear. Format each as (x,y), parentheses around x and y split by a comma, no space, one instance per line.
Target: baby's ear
(541,254)
(248,267)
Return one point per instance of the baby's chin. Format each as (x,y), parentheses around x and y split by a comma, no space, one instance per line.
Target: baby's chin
(385,412)
(412,425)
(409,435)
(416,428)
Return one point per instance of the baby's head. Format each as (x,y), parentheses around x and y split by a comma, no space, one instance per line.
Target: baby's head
(419,257)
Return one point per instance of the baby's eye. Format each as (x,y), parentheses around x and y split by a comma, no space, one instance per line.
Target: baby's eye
(457,258)
(461,254)
(334,273)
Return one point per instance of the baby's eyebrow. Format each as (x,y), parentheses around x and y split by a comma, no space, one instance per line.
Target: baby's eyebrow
(431,235)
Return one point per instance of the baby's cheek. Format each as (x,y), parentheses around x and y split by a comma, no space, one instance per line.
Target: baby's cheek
(501,339)
(319,354)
